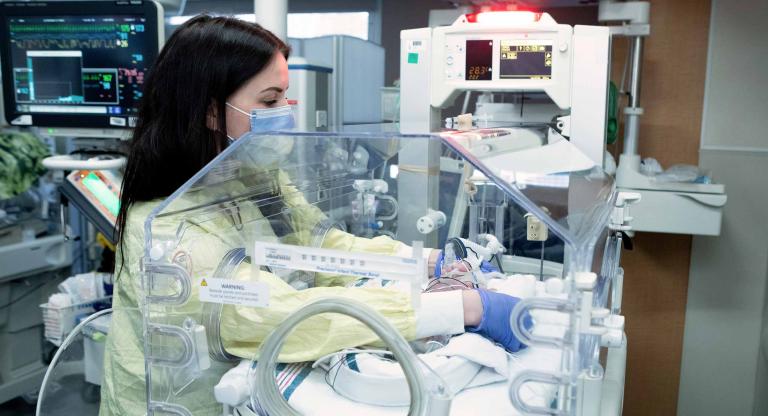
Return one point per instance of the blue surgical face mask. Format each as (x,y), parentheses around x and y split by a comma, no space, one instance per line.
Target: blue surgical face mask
(268,119)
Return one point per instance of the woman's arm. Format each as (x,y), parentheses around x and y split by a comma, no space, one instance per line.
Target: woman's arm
(243,328)
(472,307)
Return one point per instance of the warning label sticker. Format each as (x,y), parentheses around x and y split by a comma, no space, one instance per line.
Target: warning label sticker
(234,292)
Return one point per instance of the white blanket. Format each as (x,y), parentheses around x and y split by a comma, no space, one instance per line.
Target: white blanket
(312,396)
(485,367)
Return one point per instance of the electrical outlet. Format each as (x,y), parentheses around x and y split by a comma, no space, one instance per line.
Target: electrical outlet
(536,230)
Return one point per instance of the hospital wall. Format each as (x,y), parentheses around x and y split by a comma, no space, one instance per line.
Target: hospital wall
(657,270)
(672,95)
(724,367)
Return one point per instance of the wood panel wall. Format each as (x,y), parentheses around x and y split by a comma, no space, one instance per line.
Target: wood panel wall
(656,283)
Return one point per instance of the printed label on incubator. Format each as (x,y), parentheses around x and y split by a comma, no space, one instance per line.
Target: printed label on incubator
(415,46)
(357,264)
(234,292)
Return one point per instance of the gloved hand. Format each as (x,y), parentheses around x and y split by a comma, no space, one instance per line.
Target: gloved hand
(488,267)
(494,323)
(437,269)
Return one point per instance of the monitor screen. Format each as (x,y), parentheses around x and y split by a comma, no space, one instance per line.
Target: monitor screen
(62,68)
(525,59)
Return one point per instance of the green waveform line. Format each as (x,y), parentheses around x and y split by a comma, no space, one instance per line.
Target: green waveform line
(61,28)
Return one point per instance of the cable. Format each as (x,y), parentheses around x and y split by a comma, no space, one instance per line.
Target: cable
(182,7)
(498,263)
(622,90)
(465,107)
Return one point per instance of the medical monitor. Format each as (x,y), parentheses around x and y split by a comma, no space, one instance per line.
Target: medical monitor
(77,65)
(96,194)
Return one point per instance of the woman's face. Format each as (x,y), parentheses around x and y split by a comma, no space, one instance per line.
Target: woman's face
(265,90)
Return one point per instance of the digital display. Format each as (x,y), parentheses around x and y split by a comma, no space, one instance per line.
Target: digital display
(78,64)
(525,59)
(479,64)
(103,193)
(72,64)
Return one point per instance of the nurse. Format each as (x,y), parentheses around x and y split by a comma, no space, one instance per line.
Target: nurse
(216,79)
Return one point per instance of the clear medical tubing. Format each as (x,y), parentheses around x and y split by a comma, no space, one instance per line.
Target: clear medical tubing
(266,395)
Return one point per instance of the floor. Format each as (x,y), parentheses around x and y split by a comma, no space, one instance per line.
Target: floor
(17,407)
(71,395)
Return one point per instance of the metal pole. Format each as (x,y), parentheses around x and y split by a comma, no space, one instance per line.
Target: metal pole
(273,15)
(633,112)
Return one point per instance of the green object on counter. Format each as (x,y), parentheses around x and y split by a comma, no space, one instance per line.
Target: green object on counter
(21,162)
(612,121)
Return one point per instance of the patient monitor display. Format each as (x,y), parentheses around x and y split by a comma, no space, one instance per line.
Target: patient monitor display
(525,59)
(84,70)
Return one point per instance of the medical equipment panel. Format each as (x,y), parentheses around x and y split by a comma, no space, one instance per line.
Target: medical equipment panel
(523,55)
(95,193)
(283,227)
(74,64)
(525,59)
(496,57)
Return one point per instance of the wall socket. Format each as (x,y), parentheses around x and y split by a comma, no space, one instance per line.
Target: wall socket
(536,230)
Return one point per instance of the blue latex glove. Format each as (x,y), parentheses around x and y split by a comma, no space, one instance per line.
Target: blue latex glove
(487,267)
(439,265)
(494,323)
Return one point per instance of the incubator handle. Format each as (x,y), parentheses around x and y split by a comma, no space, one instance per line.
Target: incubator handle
(176,272)
(271,400)
(524,307)
(188,346)
(168,409)
(394,208)
(533,377)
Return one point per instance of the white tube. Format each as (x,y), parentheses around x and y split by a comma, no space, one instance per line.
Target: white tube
(273,15)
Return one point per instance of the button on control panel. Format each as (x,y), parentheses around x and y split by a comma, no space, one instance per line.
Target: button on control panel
(454,60)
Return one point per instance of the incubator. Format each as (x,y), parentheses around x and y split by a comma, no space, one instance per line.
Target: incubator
(284,287)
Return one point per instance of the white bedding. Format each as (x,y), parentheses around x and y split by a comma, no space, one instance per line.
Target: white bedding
(314,397)
(486,391)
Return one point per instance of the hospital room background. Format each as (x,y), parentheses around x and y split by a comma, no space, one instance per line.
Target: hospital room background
(695,302)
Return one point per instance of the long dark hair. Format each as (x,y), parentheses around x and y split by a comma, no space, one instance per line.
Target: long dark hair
(204,62)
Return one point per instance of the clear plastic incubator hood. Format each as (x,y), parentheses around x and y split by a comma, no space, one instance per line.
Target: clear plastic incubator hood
(296,272)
